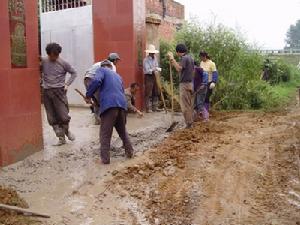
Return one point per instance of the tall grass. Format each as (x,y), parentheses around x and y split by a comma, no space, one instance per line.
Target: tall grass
(240,69)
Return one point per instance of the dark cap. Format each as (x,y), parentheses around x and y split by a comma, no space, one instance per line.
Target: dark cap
(106,63)
(113,56)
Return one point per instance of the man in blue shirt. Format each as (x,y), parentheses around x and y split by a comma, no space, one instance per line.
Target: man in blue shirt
(113,109)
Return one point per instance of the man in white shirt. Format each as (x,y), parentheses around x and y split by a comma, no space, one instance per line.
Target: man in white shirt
(150,67)
(114,58)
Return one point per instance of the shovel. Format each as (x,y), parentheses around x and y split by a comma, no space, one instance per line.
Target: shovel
(25,212)
(173,123)
(158,82)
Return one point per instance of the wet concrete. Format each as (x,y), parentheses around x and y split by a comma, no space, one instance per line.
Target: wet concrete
(51,180)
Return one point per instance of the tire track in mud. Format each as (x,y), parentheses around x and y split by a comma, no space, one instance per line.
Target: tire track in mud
(242,168)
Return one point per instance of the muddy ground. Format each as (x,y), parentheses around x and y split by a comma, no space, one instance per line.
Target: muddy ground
(238,169)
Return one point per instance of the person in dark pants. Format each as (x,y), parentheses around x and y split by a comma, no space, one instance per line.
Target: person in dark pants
(90,74)
(186,69)
(55,86)
(210,67)
(150,66)
(200,90)
(113,109)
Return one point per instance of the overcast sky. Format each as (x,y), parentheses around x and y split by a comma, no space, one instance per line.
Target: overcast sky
(262,21)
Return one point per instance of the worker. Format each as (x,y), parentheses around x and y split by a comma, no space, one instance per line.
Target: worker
(55,86)
(130,94)
(114,58)
(210,67)
(186,69)
(113,109)
(200,90)
(150,66)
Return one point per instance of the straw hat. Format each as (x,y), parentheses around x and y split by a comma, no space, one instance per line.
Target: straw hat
(151,49)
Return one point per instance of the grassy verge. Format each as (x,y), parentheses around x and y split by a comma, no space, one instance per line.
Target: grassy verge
(240,85)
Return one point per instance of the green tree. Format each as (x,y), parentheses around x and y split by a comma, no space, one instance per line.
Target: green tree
(293,36)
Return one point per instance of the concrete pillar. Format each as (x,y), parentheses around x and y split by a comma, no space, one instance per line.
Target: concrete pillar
(119,26)
(20,107)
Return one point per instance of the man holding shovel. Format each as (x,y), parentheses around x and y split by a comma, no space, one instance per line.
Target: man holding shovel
(113,109)
(186,69)
(89,76)
(150,67)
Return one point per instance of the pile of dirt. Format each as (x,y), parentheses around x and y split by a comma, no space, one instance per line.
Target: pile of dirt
(164,186)
(10,197)
(235,169)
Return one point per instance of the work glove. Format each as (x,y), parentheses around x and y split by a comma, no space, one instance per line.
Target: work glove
(170,56)
(212,85)
(158,69)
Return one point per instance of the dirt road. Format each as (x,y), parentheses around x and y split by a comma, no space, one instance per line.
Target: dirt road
(241,168)
(238,169)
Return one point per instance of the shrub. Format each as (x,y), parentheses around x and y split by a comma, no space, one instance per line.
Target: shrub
(166,47)
(278,71)
(240,68)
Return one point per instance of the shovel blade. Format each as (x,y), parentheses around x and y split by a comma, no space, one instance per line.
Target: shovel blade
(172,127)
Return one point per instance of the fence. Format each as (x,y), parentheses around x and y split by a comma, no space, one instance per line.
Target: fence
(280,51)
(56,5)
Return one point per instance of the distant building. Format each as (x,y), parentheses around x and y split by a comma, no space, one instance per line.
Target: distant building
(168,15)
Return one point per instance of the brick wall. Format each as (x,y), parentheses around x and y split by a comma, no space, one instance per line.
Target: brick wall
(170,17)
(173,8)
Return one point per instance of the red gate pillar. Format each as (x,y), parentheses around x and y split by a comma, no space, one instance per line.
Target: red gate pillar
(20,108)
(119,26)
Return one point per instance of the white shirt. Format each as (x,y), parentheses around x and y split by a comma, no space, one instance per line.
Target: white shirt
(91,72)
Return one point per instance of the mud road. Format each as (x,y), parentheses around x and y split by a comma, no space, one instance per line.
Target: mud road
(238,169)
(241,168)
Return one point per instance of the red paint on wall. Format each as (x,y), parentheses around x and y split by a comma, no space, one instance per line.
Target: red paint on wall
(20,108)
(119,26)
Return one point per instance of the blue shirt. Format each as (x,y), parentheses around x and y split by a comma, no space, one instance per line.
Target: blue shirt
(111,90)
(200,78)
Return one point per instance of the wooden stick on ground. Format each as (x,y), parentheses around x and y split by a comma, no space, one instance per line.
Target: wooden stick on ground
(26,212)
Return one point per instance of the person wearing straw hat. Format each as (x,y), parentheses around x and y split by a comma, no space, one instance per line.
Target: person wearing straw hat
(150,67)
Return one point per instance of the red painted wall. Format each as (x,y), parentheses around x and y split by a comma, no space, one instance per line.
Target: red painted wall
(20,108)
(119,26)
